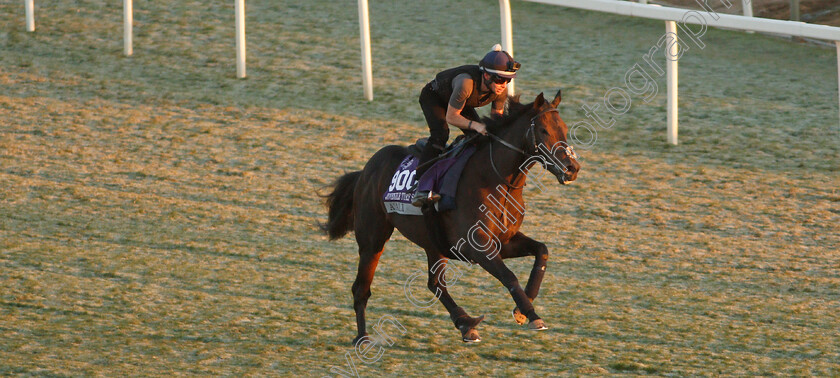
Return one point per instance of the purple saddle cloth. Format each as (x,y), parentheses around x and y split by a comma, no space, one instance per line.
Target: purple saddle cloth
(442,178)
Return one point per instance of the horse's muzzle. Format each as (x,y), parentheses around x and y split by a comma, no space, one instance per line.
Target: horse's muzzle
(567,173)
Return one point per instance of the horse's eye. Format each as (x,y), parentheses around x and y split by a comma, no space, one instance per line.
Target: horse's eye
(543,131)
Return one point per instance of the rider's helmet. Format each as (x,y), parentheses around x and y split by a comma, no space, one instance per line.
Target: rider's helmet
(499,63)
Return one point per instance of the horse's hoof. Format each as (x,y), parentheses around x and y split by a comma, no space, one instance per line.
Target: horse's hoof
(471,336)
(467,327)
(537,325)
(357,338)
(519,317)
(468,322)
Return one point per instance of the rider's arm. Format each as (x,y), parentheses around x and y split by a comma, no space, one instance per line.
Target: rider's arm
(462,88)
(454,118)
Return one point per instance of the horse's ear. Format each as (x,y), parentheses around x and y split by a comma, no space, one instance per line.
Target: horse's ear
(540,101)
(556,100)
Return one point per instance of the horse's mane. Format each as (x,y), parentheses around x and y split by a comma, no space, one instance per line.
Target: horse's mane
(495,125)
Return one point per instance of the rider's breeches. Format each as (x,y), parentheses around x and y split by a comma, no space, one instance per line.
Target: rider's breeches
(434,109)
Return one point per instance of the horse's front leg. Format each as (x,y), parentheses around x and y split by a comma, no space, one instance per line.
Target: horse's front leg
(520,246)
(438,264)
(499,270)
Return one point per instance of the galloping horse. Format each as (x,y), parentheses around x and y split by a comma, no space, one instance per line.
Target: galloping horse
(528,134)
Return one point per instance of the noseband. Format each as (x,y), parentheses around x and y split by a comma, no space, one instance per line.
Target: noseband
(531,135)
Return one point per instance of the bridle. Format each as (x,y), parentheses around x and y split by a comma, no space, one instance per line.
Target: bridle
(532,142)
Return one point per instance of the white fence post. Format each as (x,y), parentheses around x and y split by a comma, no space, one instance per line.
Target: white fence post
(747,7)
(30,14)
(794,10)
(671,54)
(507,35)
(128,21)
(240,38)
(364,37)
(748,12)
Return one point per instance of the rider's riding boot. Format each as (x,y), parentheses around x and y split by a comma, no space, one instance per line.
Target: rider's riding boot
(423,197)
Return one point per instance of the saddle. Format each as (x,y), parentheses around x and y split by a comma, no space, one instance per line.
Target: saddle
(459,143)
(442,177)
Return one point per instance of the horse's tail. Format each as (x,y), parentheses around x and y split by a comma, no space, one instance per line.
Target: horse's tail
(340,204)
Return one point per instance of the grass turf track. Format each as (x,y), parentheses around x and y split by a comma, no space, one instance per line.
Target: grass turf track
(157,214)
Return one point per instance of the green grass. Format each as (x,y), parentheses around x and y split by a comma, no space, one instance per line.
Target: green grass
(157,215)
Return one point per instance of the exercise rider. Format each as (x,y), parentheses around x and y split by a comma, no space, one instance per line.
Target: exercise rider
(451,99)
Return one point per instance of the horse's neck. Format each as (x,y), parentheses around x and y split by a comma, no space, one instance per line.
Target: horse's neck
(509,163)
(498,197)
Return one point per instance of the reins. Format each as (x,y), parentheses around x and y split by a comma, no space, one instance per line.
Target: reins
(517,149)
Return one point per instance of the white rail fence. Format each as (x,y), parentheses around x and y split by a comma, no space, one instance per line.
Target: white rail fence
(128,22)
(676,19)
(704,18)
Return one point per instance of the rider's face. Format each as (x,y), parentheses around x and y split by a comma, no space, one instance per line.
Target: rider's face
(498,86)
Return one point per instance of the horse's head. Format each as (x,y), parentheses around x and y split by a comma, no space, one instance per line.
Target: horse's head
(547,140)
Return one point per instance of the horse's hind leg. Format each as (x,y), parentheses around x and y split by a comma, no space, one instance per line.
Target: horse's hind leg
(371,238)
(519,246)
(438,265)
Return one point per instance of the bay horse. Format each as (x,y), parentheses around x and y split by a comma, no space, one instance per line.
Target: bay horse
(528,134)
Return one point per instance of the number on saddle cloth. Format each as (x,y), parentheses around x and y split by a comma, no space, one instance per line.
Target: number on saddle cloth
(442,177)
